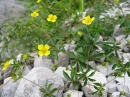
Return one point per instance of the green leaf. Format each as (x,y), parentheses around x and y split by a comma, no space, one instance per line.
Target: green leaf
(55,89)
(97,84)
(92,80)
(71,54)
(81,77)
(92,74)
(66,76)
(85,82)
(112,39)
(114,66)
(49,86)
(96,87)
(128,73)
(42,90)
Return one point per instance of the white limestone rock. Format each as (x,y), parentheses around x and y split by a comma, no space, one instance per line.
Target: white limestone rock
(128,38)
(63,59)
(100,78)
(112,12)
(39,76)
(106,70)
(120,88)
(111,79)
(120,84)
(60,70)
(10,87)
(70,47)
(122,40)
(115,94)
(111,88)
(27,69)
(73,93)
(92,64)
(43,62)
(10,8)
(126,50)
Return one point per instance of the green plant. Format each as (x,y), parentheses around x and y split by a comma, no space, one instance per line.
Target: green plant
(47,90)
(53,23)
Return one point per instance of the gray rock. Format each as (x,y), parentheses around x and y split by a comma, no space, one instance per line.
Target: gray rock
(10,8)
(9,88)
(121,88)
(27,69)
(70,47)
(60,70)
(63,59)
(117,31)
(100,78)
(38,76)
(43,62)
(112,12)
(106,70)
(92,64)
(0,91)
(90,89)
(115,94)
(111,88)
(126,50)
(7,73)
(122,40)
(73,93)
(111,79)
(128,38)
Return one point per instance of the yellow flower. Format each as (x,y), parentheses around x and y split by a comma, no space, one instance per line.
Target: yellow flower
(116,0)
(79,33)
(6,65)
(87,20)
(25,56)
(34,14)
(52,18)
(38,1)
(43,50)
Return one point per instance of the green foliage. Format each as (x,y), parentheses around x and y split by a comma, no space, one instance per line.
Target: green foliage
(48,92)
(27,32)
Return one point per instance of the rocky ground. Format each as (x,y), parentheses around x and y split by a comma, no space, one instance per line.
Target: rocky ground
(36,74)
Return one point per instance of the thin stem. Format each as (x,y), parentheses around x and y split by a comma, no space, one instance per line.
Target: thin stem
(5,83)
(32,82)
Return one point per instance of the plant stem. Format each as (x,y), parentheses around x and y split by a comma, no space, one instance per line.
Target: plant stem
(81,8)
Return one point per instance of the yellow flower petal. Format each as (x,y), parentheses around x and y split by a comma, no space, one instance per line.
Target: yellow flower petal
(40,47)
(87,20)
(34,14)
(92,19)
(25,56)
(79,33)
(38,1)
(51,18)
(47,46)
(6,65)
(40,53)
(47,53)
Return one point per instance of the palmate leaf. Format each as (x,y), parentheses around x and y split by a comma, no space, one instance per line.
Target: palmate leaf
(66,76)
